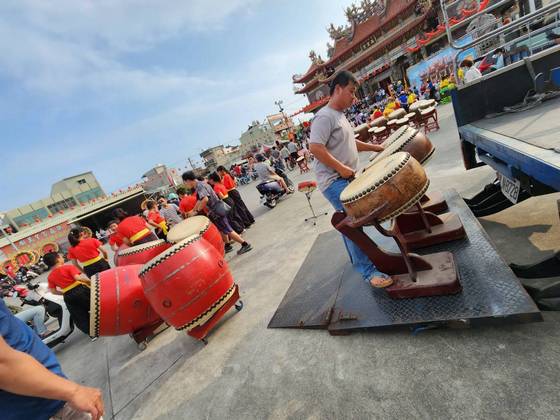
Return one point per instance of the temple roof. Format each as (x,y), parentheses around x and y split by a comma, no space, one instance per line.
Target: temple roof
(360,33)
(363,30)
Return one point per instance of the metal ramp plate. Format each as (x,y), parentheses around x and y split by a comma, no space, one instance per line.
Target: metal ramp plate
(491,292)
(310,298)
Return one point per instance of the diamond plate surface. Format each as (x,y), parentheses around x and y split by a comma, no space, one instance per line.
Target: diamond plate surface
(490,289)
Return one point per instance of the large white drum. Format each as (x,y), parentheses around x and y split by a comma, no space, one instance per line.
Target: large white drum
(391,186)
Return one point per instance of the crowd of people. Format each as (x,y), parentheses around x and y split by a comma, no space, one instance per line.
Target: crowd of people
(282,156)
(397,96)
(31,380)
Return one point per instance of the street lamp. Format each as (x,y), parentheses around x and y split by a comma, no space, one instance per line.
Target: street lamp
(279,105)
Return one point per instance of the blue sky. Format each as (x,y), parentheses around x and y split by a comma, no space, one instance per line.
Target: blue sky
(118,86)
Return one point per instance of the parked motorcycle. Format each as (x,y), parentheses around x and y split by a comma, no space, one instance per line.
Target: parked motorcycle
(38,294)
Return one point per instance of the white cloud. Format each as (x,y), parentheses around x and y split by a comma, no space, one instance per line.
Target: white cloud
(70,55)
(125,24)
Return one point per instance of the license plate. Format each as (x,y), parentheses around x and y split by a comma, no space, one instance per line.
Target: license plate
(510,188)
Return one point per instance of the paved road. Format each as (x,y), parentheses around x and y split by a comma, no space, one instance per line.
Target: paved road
(250,372)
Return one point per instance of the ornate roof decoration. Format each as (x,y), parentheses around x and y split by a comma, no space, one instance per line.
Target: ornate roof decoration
(337,32)
(315,58)
(330,50)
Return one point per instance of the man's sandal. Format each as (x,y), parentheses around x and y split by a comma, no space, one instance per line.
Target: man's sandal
(379,282)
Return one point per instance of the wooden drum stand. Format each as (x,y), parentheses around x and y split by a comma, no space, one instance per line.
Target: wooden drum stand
(395,184)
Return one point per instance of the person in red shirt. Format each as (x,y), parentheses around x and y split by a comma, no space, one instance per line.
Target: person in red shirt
(156,220)
(116,239)
(68,280)
(88,252)
(133,229)
(221,191)
(187,201)
(377,113)
(240,206)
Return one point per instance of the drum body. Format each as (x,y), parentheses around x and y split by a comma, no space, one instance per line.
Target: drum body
(411,140)
(392,184)
(118,304)
(188,283)
(140,254)
(427,111)
(197,225)
(362,132)
(379,122)
(396,114)
(421,104)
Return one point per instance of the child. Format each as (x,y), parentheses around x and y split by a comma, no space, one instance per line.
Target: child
(116,239)
(88,252)
(156,220)
(68,280)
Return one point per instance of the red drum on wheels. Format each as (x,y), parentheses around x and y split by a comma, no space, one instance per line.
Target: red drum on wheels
(188,283)
(197,225)
(140,254)
(118,304)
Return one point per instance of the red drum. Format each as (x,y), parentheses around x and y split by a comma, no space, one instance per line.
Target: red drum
(307,186)
(188,283)
(140,254)
(118,304)
(116,254)
(196,225)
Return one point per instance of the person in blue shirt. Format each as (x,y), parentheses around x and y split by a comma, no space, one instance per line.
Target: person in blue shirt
(32,384)
(403,99)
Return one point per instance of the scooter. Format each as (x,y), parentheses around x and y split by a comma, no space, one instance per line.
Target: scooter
(271,191)
(38,294)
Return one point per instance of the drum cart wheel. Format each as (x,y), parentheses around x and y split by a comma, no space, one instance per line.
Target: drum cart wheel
(142,346)
(239,305)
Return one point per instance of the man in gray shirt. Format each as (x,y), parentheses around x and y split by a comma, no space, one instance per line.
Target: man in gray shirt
(266,173)
(336,151)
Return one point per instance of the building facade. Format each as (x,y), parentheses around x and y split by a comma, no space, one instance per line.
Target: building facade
(160,177)
(383,38)
(280,124)
(256,136)
(66,194)
(220,156)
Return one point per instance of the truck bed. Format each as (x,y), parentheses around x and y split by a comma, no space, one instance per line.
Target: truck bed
(529,141)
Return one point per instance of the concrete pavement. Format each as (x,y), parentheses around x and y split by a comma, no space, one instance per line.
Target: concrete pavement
(250,372)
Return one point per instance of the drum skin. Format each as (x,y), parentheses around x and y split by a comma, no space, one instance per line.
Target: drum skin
(394,136)
(118,304)
(396,182)
(421,104)
(140,254)
(412,141)
(188,283)
(197,225)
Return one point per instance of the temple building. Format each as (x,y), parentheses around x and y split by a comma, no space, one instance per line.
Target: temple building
(380,41)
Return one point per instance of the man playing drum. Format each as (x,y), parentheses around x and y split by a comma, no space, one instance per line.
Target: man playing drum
(333,144)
